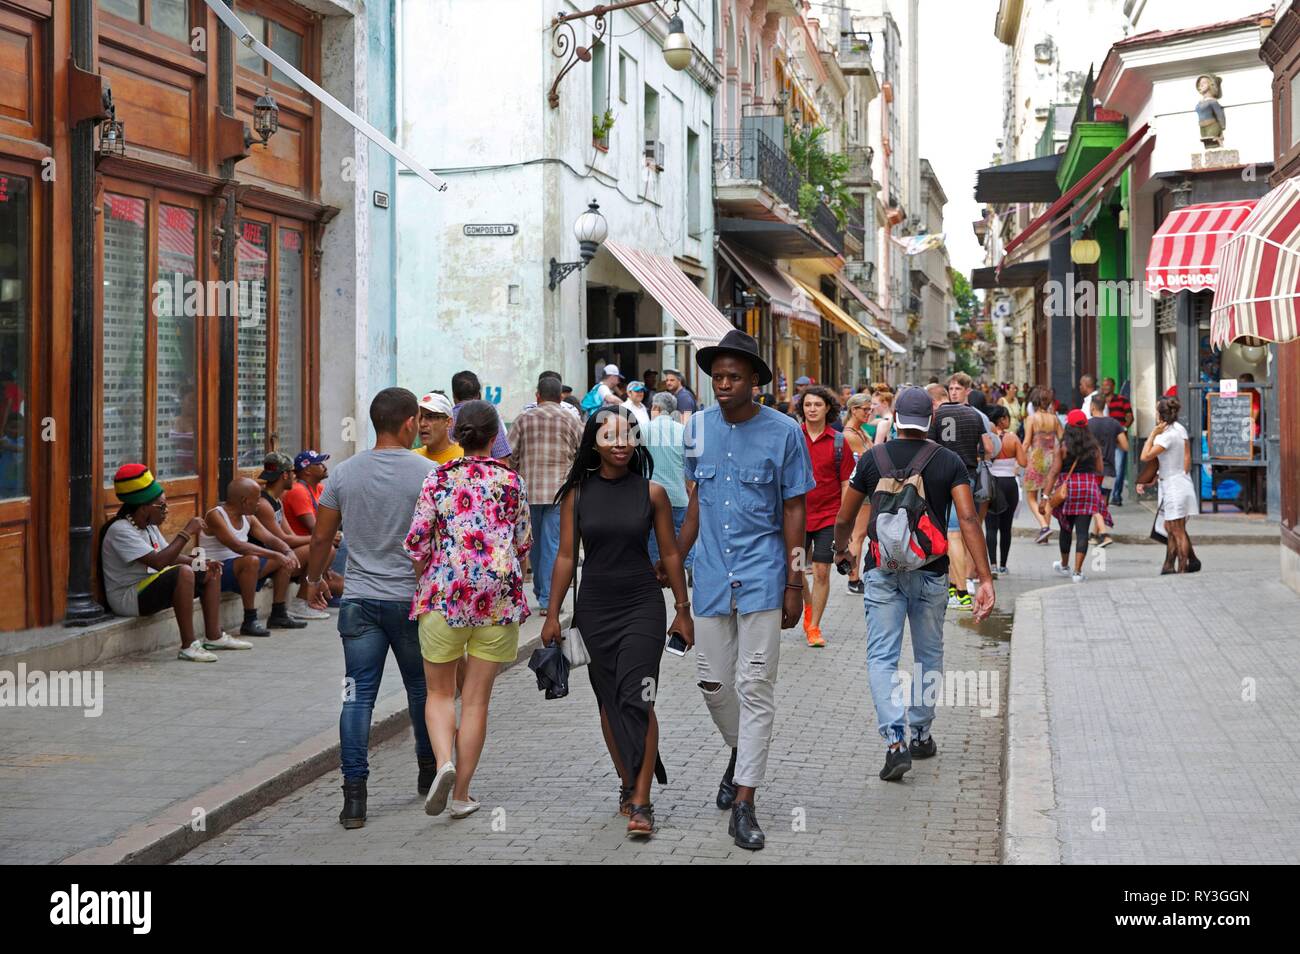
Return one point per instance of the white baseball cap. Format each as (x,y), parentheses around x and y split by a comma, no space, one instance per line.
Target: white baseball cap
(436,403)
(610,369)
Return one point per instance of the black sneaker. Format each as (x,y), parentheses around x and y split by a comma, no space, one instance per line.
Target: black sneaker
(857,586)
(253,628)
(285,621)
(923,750)
(898,762)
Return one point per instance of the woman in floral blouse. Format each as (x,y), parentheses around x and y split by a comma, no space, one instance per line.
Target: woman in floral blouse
(468,537)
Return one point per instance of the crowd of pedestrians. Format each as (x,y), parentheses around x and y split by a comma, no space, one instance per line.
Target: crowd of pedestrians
(425,545)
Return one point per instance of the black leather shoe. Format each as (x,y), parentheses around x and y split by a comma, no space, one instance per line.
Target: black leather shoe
(726,791)
(285,622)
(898,762)
(923,750)
(425,780)
(354,804)
(254,628)
(744,827)
(857,586)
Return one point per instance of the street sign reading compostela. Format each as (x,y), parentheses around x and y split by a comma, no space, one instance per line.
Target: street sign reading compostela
(507,229)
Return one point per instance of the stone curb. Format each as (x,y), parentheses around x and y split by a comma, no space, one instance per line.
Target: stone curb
(1029,834)
(168,835)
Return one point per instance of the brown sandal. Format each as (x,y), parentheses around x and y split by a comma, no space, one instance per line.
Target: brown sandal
(625,799)
(641,821)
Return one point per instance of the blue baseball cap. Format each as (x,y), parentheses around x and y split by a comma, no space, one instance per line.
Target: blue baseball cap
(803,379)
(309,457)
(636,386)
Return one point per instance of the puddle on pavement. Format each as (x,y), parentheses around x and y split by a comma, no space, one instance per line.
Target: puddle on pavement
(996,628)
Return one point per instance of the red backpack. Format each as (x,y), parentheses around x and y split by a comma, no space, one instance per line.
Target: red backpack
(902,536)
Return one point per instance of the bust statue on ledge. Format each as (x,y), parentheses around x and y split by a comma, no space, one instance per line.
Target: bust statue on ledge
(1208,110)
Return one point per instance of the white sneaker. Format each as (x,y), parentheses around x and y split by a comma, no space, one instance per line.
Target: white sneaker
(953,602)
(195,652)
(1076,578)
(461,809)
(1061,569)
(436,801)
(227,642)
(1002,571)
(300,609)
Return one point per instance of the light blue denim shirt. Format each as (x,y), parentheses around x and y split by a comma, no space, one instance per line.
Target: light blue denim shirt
(744,473)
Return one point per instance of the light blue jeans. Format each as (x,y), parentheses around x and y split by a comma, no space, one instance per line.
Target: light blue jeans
(890,599)
(546,542)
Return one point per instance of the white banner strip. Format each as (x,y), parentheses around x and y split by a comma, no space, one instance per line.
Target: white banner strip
(242,35)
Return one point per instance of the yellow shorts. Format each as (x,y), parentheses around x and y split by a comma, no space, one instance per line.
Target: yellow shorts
(440,643)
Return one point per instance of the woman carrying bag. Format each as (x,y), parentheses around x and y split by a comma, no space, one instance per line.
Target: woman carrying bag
(1167,443)
(997,525)
(468,536)
(619,609)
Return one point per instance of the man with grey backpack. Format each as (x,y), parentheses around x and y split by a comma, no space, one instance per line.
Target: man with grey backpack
(913,483)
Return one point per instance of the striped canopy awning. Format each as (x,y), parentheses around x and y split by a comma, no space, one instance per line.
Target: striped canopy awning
(676,293)
(1182,250)
(1259,272)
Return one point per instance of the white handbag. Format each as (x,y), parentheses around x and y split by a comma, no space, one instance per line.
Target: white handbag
(572,646)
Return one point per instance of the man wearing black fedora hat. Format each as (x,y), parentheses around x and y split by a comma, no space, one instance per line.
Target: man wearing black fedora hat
(750,469)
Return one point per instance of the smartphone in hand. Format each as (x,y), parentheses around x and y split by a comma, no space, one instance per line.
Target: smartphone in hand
(676,644)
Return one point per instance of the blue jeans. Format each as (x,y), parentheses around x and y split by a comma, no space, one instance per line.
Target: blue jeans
(1121,463)
(546,541)
(890,599)
(679,517)
(368,629)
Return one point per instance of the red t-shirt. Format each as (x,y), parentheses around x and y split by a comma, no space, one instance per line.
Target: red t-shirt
(298,500)
(823,501)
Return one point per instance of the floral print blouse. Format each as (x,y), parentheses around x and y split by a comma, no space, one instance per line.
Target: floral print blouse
(471,524)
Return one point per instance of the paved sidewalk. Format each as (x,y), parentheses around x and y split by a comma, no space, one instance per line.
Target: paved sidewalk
(1134,519)
(549,792)
(173,736)
(1173,708)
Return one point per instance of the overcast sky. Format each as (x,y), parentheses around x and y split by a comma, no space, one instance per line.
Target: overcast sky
(961,110)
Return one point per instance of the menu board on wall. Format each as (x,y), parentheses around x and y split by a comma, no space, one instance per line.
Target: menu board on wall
(1230,426)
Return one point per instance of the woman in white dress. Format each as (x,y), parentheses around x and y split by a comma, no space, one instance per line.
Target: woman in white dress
(1169,443)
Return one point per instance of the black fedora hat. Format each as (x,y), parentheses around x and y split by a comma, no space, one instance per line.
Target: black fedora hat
(735,342)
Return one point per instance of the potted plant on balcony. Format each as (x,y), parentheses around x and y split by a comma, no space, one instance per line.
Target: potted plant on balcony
(600,127)
(823,173)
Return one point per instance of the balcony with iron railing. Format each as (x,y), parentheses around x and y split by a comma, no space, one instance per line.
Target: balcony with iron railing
(749,156)
(855,53)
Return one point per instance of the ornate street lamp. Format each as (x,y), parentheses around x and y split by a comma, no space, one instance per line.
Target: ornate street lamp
(590,230)
(677,48)
(112,134)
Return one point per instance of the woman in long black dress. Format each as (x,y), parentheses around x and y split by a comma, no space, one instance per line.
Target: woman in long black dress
(620,606)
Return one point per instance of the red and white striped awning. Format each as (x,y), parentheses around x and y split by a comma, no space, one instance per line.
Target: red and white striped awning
(1182,250)
(676,293)
(1259,272)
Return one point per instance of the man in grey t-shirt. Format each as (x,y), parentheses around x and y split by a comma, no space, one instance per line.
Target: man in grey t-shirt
(374,494)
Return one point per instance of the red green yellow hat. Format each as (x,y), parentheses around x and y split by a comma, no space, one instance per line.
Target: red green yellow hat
(134,484)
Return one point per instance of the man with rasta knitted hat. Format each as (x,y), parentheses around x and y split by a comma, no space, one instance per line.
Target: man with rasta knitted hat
(142,573)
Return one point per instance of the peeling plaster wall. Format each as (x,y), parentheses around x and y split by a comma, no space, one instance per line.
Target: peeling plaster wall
(483,303)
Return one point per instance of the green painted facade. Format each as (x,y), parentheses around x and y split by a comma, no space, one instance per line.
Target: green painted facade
(1090,143)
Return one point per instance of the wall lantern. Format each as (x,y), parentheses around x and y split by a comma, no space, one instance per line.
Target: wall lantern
(590,230)
(1085,251)
(677,48)
(266,120)
(112,134)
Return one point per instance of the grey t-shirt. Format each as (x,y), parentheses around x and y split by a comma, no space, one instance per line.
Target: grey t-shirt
(376,492)
(124,544)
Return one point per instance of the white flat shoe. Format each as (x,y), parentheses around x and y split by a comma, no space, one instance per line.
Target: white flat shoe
(461,809)
(436,802)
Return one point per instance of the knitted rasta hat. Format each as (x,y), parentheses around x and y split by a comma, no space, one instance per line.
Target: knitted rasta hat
(134,484)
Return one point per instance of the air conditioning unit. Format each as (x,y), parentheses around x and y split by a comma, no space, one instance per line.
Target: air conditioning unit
(654,153)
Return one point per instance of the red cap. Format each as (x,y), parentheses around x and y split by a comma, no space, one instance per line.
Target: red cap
(1076,418)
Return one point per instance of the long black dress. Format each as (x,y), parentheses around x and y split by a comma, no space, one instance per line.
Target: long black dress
(620,608)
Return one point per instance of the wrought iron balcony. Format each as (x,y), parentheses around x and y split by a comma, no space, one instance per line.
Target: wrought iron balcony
(855,53)
(748,154)
(828,227)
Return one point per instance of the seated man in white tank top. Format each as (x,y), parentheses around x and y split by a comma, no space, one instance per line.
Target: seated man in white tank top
(245,565)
